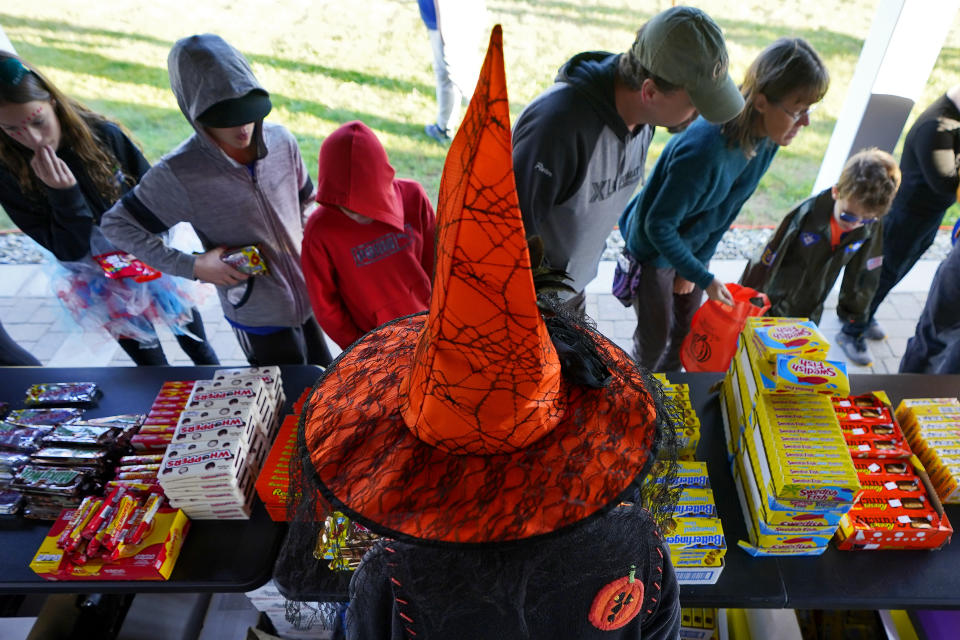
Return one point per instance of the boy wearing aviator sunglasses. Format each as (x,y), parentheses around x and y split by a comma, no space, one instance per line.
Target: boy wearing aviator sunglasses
(825,233)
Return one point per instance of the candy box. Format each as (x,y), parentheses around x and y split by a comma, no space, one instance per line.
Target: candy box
(803,375)
(195,426)
(246,259)
(211,457)
(271,386)
(898,509)
(870,444)
(776,513)
(274,479)
(153,558)
(692,474)
(775,544)
(926,405)
(696,502)
(270,375)
(695,540)
(800,338)
(220,402)
(818,482)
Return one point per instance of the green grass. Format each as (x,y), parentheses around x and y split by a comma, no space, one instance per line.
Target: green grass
(326,63)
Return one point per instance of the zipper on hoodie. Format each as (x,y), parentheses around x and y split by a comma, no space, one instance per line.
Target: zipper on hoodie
(278,237)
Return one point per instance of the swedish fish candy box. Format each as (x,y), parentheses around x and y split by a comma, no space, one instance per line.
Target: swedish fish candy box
(811,376)
(793,338)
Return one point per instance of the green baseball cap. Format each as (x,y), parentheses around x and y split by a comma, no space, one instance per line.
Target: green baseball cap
(684,46)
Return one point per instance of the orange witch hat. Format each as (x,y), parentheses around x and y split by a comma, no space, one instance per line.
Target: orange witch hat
(456,426)
(484,358)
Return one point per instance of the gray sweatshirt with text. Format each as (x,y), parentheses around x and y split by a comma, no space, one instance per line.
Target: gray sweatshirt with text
(227,203)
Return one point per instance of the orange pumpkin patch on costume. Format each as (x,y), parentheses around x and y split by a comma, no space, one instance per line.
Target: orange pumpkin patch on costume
(617,603)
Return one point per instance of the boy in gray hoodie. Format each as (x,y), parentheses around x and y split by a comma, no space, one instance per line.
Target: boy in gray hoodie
(239,181)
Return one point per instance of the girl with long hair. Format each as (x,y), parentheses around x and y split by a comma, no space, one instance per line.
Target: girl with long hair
(700,182)
(61,167)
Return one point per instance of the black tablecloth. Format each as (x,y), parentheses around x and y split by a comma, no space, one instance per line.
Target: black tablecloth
(218,556)
(835,580)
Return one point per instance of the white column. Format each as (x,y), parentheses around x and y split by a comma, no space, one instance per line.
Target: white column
(5,44)
(894,66)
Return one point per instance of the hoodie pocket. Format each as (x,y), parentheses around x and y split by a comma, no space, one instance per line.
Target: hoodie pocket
(239,295)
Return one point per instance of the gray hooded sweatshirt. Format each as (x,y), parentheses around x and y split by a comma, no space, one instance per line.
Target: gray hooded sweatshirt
(227,203)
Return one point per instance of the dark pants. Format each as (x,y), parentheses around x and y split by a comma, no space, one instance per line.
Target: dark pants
(12,354)
(199,351)
(663,319)
(935,347)
(295,345)
(905,239)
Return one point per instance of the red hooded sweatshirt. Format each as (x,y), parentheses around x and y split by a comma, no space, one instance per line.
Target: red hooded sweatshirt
(360,275)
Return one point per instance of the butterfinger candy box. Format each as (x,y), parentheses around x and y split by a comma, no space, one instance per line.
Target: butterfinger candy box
(695,540)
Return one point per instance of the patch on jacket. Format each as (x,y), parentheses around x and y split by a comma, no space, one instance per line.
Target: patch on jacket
(808,238)
(383,247)
(768,256)
(853,247)
(873,263)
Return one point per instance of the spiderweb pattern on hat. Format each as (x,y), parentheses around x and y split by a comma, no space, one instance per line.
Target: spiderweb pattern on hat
(585,449)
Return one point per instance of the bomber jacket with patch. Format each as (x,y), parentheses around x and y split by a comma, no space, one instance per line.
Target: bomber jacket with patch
(577,164)
(546,593)
(228,204)
(798,267)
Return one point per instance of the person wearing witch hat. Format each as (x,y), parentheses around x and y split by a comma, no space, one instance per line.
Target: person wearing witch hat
(500,445)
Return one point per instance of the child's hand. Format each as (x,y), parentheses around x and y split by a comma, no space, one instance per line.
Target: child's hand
(719,292)
(208,267)
(51,170)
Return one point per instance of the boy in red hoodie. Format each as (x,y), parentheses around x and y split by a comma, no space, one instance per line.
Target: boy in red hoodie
(368,248)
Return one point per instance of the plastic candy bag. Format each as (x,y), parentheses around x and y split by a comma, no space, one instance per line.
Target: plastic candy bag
(712,341)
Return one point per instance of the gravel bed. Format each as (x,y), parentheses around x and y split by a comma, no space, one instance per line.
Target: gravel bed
(16,248)
(739,244)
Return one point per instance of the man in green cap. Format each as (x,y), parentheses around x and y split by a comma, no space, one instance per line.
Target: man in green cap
(580,146)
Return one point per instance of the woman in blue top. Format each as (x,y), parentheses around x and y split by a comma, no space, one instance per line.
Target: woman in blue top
(696,189)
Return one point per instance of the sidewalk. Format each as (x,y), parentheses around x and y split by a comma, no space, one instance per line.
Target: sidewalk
(35,319)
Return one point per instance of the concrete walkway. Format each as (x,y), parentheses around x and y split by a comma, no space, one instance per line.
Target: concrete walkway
(35,319)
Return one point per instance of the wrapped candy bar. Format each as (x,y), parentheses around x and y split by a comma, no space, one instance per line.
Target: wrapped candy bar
(59,394)
(343,542)
(71,456)
(83,434)
(119,264)
(21,438)
(10,502)
(246,259)
(52,480)
(51,417)
(10,463)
